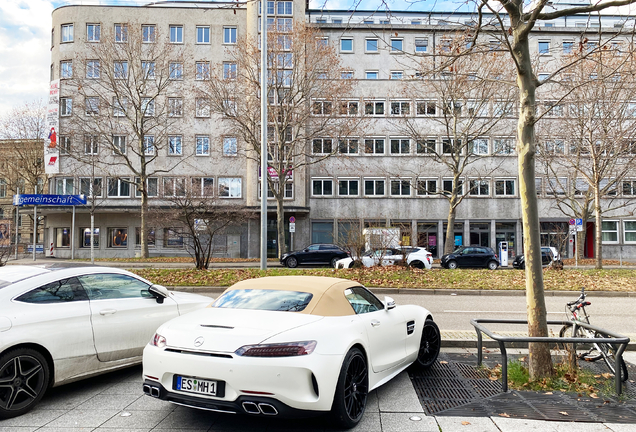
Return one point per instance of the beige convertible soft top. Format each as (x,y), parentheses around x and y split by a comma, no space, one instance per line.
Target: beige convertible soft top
(328,293)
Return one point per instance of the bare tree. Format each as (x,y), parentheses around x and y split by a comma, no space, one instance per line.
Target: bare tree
(306,93)
(597,114)
(130,89)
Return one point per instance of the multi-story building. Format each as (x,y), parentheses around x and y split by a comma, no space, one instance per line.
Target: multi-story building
(384,176)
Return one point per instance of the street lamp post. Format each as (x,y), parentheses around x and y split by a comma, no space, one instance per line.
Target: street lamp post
(263,135)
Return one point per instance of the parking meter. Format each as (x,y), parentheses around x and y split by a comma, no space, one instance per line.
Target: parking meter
(503,254)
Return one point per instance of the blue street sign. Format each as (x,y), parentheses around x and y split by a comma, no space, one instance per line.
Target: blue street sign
(54,200)
(579,221)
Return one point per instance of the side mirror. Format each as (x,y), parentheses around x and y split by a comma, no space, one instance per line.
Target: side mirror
(159,292)
(389,303)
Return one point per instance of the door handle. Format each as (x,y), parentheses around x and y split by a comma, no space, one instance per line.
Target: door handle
(107,311)
(375,323)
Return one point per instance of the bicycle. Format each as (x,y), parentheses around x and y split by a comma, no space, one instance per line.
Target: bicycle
(593,351)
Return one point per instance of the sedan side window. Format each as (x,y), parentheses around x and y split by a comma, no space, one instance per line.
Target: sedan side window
(313,247)
(62,291)
(362,301)
(114,286)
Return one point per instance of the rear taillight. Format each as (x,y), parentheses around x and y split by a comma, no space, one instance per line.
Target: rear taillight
(277,350)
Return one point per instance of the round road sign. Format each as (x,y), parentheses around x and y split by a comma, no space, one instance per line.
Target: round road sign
(292,219)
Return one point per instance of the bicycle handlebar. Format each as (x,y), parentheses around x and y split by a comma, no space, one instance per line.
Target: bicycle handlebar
(580,300)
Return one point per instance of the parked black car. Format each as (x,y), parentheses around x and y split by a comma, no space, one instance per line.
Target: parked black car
(325,254)
(471,256)
(546,259)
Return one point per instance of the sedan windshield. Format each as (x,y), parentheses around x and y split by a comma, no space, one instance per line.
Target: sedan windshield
(272,300)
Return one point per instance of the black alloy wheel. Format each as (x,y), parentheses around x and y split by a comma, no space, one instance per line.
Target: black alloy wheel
(352,390)
(430,345)
(24,378)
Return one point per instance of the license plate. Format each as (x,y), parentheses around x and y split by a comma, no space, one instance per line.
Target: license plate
(196,385)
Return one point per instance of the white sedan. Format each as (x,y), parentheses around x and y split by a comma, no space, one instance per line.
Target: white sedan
(415,257)
(287,346)
(62,324)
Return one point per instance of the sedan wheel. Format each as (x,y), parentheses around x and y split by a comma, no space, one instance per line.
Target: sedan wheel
(429,345)
(291,262)
(334,261)
(452,265)
(24,378)
(492,265)
(352,389)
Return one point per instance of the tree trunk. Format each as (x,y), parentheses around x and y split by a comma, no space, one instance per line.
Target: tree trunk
(598,253)
(280,225)
(143,235)
(540,360)
(449,242)
(92,234)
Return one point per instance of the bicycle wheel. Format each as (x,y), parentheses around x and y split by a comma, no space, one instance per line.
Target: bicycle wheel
(608,352)
(590,351)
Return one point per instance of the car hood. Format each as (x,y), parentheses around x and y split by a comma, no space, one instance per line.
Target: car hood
(226,330)
(188,302)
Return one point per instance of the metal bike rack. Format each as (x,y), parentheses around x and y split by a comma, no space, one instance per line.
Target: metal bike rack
(613,338)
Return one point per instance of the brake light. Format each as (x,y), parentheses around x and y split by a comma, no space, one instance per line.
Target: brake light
(277,350)
(158,341)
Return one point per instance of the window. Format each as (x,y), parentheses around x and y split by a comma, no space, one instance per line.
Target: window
(348,187)
(348,146)
(362,301)
(374,146)
(629,231)
(543,77)
(66,69)
(117,238)
(400,108)
(567,47)
(288,193)
(322,187)
(284,24)
(176,70)
(629,187)
(149,145)
(284,7)
(426,187)
(396,45)
(175,107)
(93,32)
(202,107)
(230,187)
(479,187)
(346,75)
(65,145)
(479,146)
(149,69)
(503,146)
(230,146)
(397,75)
(453,108)
(120,69)
(373,187)
(86,237)
(92,68)
(3,188)
(62,237)
(421,45)
(174,145)
(349,108)
(374,108)
(202,145)
(371,45)
(119,106)
(538,185)
(447,185)
(174,186)
(322,107)
(557,186)
(426,146)
(556,146)
(121,33)
(229,70)
(544,47)
(322,146)
(172,238)
(92,106)
(152,187)
(118,187)
(119,144)
(581,187)
(609,231)
(400,187)
(66,106)
(346,45)
(91,144)
(91,187)
(400,146)
(148,33)
(176,34)
(371,75)
(426,108)
(203,34)
(202,186)
(553,109)
(229,35)
(503,108)
(202,71)
(148,107)
(67,33)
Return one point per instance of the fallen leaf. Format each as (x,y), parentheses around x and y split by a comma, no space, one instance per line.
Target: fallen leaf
(593,395)
(492,378)
(548,393)
(443,362)
(563,413)
(504,415)
(607,375)
(465,423)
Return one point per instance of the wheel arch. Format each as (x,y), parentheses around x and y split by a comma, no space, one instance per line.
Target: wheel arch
(42,350)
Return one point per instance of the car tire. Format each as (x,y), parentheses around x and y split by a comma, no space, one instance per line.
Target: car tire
(25,375)
(492,265)
(334,261)
(417,264)
(291,262)
(352,388)
(452,264)
(430,345)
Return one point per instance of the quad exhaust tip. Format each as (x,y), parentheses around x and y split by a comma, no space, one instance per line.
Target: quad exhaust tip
(261,408)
